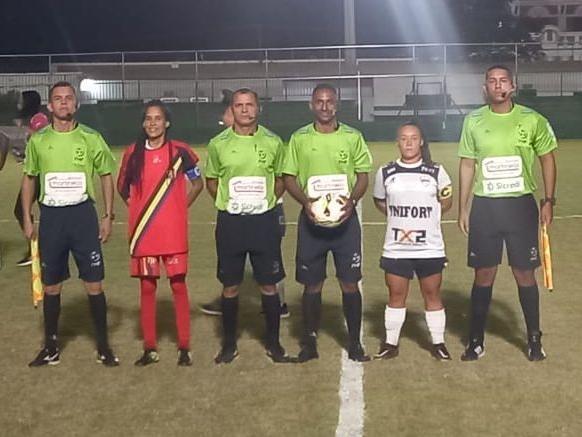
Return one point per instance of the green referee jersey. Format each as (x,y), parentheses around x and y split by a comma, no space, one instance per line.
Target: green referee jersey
(66,163)
(246,167)
(311,154)
(505,147)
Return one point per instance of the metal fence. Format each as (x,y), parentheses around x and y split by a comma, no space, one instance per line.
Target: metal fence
(375,76)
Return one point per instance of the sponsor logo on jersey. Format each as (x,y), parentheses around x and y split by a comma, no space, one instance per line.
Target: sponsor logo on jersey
(409,236)
(410,211)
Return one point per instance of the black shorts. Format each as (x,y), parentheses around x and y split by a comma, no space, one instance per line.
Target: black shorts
(407,267)
(70,229)
(513,220)
(313,244)
(259,236)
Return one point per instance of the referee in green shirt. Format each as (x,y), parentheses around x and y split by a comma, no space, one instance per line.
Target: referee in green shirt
(499,146)
(243,176)
(65,156)
(327,153)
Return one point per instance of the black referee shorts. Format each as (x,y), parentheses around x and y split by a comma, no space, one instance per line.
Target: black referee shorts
(67,229)
(510,220)
(313,244)
(259,236)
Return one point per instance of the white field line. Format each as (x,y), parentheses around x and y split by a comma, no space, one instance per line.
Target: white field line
(351,385)
(445,222)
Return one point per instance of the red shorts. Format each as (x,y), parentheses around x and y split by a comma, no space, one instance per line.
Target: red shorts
(149,266)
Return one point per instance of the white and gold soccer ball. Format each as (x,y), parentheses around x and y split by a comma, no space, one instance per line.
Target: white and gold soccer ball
(327,210)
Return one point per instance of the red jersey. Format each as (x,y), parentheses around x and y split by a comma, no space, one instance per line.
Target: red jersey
(158,213)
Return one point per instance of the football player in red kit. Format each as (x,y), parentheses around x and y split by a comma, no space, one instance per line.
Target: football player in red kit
(153,182)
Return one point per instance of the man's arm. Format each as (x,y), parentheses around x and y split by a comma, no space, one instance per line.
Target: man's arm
(279,186)
(196,188)
(549,173)
(107,187)
(297,193)
(212,187)
(27,199)
(466,175)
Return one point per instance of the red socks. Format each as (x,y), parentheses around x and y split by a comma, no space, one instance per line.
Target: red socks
(148,311)
(182,311)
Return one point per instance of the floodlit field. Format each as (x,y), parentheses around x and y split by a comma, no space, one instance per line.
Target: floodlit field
(502,394)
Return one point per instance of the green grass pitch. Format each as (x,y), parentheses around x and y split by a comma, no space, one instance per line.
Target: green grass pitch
(502,394)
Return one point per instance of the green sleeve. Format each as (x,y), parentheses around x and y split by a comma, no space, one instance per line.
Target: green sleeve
(362,156)
(31,167)
(290,165)
(103,160)
(212,166)
(545,139)
(466,144)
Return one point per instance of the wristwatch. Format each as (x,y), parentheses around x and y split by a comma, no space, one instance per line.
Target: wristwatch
(545,200)
(110,216)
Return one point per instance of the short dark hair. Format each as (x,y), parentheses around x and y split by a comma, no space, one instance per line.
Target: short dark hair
(499,67)
(324,86)
(61,84)
(244,91)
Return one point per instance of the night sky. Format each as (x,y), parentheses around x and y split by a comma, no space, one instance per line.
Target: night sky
(54,26)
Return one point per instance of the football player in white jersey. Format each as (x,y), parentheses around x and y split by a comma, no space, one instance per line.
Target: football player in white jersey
(413,192)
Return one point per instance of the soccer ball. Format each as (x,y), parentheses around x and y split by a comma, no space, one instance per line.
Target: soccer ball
(328,210)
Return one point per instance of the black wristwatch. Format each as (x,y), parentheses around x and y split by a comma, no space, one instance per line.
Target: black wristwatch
(110,216)
(545,200)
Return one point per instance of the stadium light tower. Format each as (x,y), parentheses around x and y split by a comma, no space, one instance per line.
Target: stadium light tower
(350,32)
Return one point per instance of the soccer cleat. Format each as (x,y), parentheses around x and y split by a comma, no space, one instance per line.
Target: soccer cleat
(226,355)
(46,357)
(284,311)
(356,353)
(387,351)
(184,357)
(107,358)
(308,350)
(213,308)
(440,352)
(535,351)
(25,261)
(474,351)
(150,356)
(278,355)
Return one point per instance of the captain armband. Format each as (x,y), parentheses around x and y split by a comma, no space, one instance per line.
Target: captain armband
(445,192)
(193,173)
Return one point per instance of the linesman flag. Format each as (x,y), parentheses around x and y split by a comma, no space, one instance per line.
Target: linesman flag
(546,258)
(36,284)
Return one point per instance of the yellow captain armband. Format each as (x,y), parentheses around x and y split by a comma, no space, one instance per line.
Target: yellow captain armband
(445,193)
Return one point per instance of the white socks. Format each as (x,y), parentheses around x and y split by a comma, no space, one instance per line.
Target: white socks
(393,321)
(436,321)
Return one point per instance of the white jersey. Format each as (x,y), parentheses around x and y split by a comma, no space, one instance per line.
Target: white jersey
(411,192)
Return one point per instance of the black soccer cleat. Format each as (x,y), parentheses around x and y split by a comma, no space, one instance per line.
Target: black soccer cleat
(46,357)
(474,351)
(150,356)
(107,358)
(387,352)
(356,353)
(535,351)
(308,350)
(25,261)
(184,357)
(284,311)
(226,355)
(213,308)
(278,355)
(440,352)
